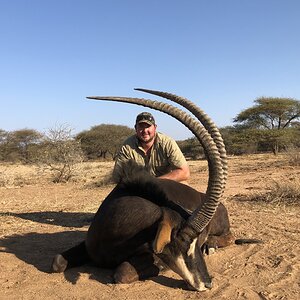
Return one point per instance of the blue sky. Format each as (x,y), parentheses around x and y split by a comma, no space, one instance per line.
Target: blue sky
(220,54)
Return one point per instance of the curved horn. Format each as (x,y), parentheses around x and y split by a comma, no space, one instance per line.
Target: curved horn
(202,215)
(206,121)
(213,130)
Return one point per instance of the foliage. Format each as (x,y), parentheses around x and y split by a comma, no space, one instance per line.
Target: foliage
(103,141)
(19,145)
(61,153)
(4,138)
(239,140)
(270,113)
(191,148)
(271,116)
(278,140)
(272,124)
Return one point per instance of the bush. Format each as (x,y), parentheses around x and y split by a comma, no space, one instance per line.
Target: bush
(280,192)
(60,153)
(293,156)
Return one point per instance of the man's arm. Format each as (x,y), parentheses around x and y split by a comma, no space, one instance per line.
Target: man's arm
(179,174)
(180,169)
(122,157)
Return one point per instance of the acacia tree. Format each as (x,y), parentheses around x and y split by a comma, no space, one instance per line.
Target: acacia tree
(19,145)
(103,140)
(25,141)
(273,116)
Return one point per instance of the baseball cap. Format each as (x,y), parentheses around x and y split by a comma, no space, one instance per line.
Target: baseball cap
(145,117)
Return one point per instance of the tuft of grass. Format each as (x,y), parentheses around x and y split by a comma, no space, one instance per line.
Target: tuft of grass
(106,180)
(17,177)
(280,192)
(293,156)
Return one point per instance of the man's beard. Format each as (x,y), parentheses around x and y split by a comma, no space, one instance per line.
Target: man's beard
(147,141)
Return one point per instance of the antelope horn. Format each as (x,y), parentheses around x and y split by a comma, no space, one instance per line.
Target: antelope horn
(202,215)
(210,126)
(206,121)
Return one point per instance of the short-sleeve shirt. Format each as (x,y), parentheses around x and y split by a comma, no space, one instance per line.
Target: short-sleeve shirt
(164,157)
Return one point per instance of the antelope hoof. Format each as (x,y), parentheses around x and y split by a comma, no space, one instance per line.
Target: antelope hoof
(208,284)
(125,273)
(59,264)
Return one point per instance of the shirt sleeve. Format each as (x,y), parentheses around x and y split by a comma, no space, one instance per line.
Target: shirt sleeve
(122,157)
(175,156)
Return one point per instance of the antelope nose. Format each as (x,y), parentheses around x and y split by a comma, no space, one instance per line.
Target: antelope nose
(208,284)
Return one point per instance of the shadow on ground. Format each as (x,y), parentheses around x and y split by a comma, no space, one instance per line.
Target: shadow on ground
(58,218)
(38,250)
(171,282)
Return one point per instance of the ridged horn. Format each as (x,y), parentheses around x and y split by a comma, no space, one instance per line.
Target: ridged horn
(202,215)
(213,130)
(206,121)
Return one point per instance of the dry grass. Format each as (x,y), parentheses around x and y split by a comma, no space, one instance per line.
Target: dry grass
(87,173)
(272,187)
(293,156)
(280,192)
(12,175)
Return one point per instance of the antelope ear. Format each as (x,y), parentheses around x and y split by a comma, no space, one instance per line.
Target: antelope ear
(163,234)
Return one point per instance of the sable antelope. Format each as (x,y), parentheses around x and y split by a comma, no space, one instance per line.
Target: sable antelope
(146,217)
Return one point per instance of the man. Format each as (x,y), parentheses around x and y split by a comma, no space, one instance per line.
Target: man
(158,153)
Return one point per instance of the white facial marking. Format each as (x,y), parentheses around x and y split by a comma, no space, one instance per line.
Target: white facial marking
(186,274)
(191,250)
(184,271)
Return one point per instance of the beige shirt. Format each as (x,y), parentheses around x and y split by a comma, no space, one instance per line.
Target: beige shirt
(164,157)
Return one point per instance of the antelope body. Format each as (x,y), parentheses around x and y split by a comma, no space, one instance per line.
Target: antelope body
(144,217)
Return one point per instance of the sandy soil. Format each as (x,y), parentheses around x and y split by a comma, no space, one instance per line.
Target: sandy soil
(40,219)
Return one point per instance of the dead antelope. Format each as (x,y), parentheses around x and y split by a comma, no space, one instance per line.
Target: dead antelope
(145,217)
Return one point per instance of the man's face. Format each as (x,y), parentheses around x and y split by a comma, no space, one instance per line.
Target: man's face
(145,132)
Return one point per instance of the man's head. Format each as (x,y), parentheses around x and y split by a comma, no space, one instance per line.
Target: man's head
(145,117)
(145,127)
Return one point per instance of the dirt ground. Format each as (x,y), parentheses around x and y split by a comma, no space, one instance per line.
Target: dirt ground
(40,219)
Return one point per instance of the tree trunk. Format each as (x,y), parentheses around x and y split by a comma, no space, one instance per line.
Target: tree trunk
(275,148)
